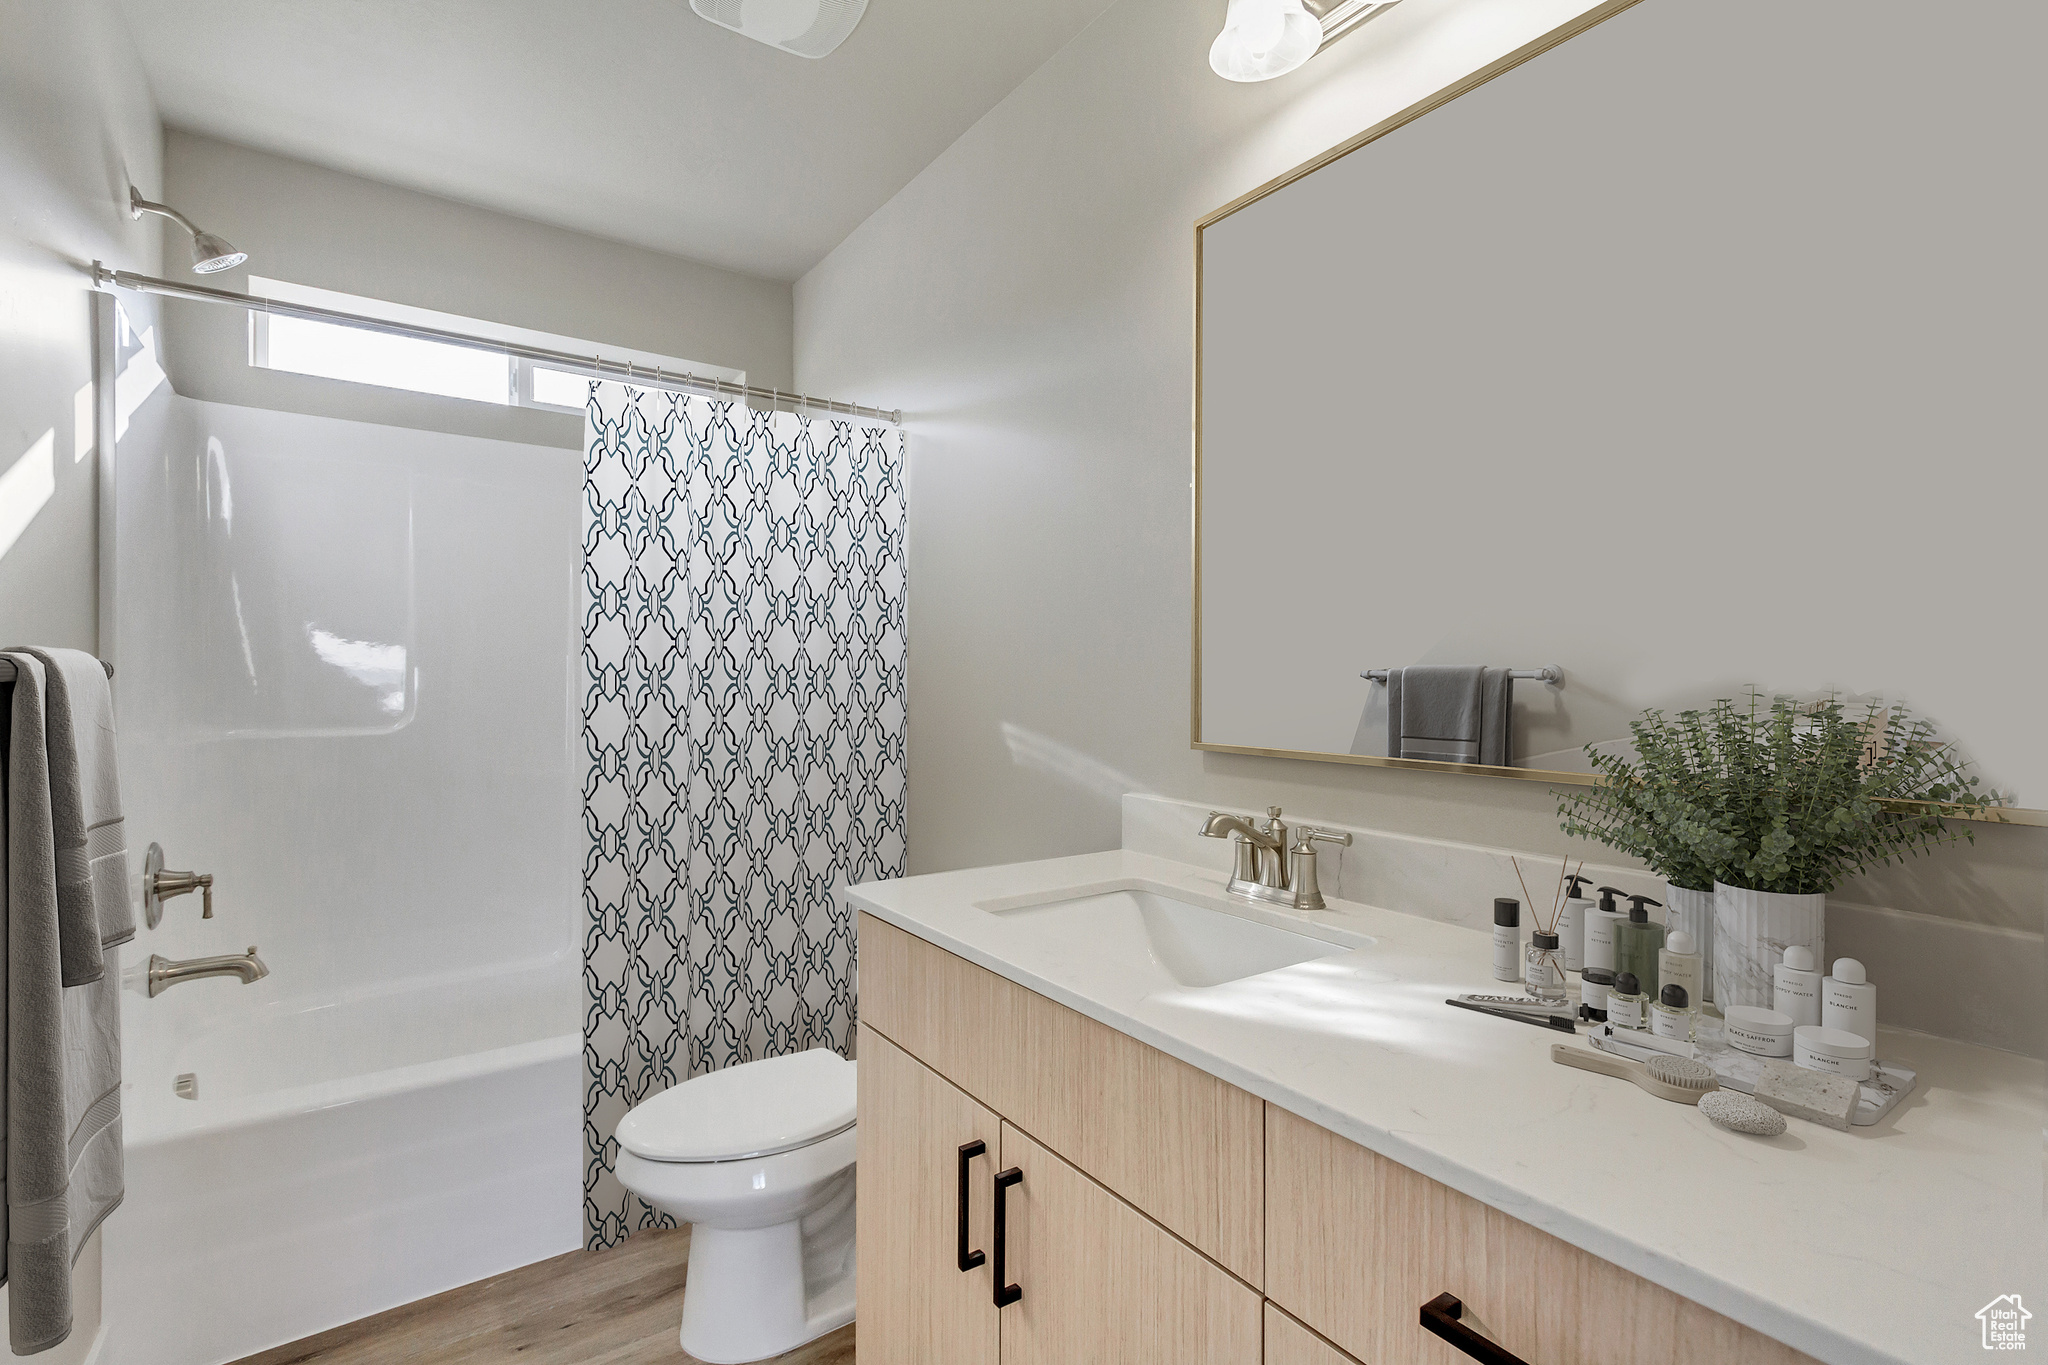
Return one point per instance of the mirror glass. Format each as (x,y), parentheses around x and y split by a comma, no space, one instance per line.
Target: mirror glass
(1679,358)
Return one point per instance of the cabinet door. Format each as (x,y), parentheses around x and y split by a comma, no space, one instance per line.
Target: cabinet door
(1101,1282)
(1289,1343)
(1357,1244)
(1178,1143)
(916,1305)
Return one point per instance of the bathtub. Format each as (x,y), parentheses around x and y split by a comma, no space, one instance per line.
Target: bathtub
(340,1155)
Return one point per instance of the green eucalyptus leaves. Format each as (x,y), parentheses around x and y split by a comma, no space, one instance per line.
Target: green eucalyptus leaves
(1793,798)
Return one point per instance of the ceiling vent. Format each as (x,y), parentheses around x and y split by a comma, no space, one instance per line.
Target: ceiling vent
(809,28)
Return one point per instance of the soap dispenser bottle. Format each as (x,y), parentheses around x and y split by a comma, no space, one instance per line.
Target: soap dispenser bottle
(1637,941)
(1571,924)
(1601,922)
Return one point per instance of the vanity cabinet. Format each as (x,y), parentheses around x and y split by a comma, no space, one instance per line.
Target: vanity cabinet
(913,1125)
(1289,1343)
(1182,1146)
(1357,1244)
(1102,1282)
(1095,1279)
(1157,1214)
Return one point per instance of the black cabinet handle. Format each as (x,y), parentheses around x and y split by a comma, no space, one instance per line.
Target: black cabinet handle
(1440,1316)
(968,1151)
(1006,1294)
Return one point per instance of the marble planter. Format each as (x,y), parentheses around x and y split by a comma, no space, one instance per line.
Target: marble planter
(1693,911)
(1752,930)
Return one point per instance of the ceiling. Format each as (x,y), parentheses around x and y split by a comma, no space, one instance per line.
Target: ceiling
(630,119)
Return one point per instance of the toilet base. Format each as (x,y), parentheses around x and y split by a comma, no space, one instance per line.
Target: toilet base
(754,1293)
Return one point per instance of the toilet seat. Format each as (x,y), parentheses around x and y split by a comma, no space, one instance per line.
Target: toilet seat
(745,1112)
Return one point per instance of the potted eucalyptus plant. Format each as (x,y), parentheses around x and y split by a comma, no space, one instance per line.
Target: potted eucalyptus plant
(1776,805)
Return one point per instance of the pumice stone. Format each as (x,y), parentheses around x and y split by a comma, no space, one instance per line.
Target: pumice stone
(1734,1110)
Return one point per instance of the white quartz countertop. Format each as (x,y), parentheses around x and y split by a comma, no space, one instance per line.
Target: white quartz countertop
(1879,1244)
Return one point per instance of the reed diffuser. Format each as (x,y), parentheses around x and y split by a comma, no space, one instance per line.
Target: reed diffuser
(1543,965)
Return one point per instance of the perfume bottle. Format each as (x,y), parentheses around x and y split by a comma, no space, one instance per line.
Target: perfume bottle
(1672,1015)
(1542,969)
(1626,1007)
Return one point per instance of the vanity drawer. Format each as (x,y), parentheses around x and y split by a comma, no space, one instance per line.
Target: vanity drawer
(1357,1244)
(1174,1141)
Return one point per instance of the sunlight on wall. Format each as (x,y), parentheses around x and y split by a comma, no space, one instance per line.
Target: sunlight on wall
(1043,753)
(139,378)
(28,483)
(82,422)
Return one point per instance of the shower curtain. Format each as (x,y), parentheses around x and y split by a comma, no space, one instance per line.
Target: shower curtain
(743,721)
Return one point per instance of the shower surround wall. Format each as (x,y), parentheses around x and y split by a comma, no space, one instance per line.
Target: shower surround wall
(743,717)
(345,681)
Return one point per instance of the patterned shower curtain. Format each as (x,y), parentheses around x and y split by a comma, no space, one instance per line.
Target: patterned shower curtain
(743,720)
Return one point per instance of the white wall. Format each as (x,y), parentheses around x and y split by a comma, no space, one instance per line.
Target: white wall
(76,125)
(1028,301)
(308,225)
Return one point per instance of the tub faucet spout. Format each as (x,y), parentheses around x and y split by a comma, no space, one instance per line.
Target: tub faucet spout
(165,973)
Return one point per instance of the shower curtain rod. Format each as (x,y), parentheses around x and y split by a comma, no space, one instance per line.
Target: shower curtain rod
(596,365)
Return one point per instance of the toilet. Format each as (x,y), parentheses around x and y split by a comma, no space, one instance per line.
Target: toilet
(758,1159)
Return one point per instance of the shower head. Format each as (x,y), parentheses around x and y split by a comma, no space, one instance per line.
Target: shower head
(210,254)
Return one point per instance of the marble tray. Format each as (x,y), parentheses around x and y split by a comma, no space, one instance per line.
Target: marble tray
(1739,1070)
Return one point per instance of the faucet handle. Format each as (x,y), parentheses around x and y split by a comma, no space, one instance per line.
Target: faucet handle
(1310,834)
(160,884)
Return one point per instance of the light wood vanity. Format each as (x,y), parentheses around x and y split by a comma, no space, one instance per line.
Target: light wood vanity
(1165,1216)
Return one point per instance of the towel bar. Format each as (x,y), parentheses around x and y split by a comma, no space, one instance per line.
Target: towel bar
(1553,675)
(7,669)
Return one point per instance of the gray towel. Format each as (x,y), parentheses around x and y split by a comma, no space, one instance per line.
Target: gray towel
(85,799)
(61,1048)
(1450,713)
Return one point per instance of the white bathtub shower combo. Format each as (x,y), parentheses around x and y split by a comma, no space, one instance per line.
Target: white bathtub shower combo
(344,655)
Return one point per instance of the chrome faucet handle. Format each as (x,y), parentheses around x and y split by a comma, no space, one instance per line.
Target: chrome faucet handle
(160,885)
(1301,860)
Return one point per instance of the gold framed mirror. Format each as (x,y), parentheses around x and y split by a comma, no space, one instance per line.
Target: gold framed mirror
(1582,371)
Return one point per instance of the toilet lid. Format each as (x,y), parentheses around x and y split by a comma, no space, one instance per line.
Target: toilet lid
(756,1109)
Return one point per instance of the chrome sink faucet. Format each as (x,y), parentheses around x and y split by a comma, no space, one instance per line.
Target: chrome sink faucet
(1266,867)
(165,973)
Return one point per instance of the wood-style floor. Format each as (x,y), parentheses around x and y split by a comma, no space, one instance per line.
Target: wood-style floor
(617,1307)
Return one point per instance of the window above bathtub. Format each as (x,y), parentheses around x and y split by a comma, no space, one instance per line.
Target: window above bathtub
(329,350)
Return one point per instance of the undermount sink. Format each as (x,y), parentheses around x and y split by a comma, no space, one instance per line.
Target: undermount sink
(1189,944)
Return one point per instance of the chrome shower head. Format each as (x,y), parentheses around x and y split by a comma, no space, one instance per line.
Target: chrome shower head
(210,254)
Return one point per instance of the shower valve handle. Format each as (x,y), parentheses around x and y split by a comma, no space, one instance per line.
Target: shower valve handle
(160,885)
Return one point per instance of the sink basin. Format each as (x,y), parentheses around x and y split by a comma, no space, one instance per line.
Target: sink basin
(1187,945)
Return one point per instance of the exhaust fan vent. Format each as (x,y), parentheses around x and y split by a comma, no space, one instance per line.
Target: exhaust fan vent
(808,28)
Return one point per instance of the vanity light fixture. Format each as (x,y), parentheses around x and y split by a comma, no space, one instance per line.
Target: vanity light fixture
(1262,39)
